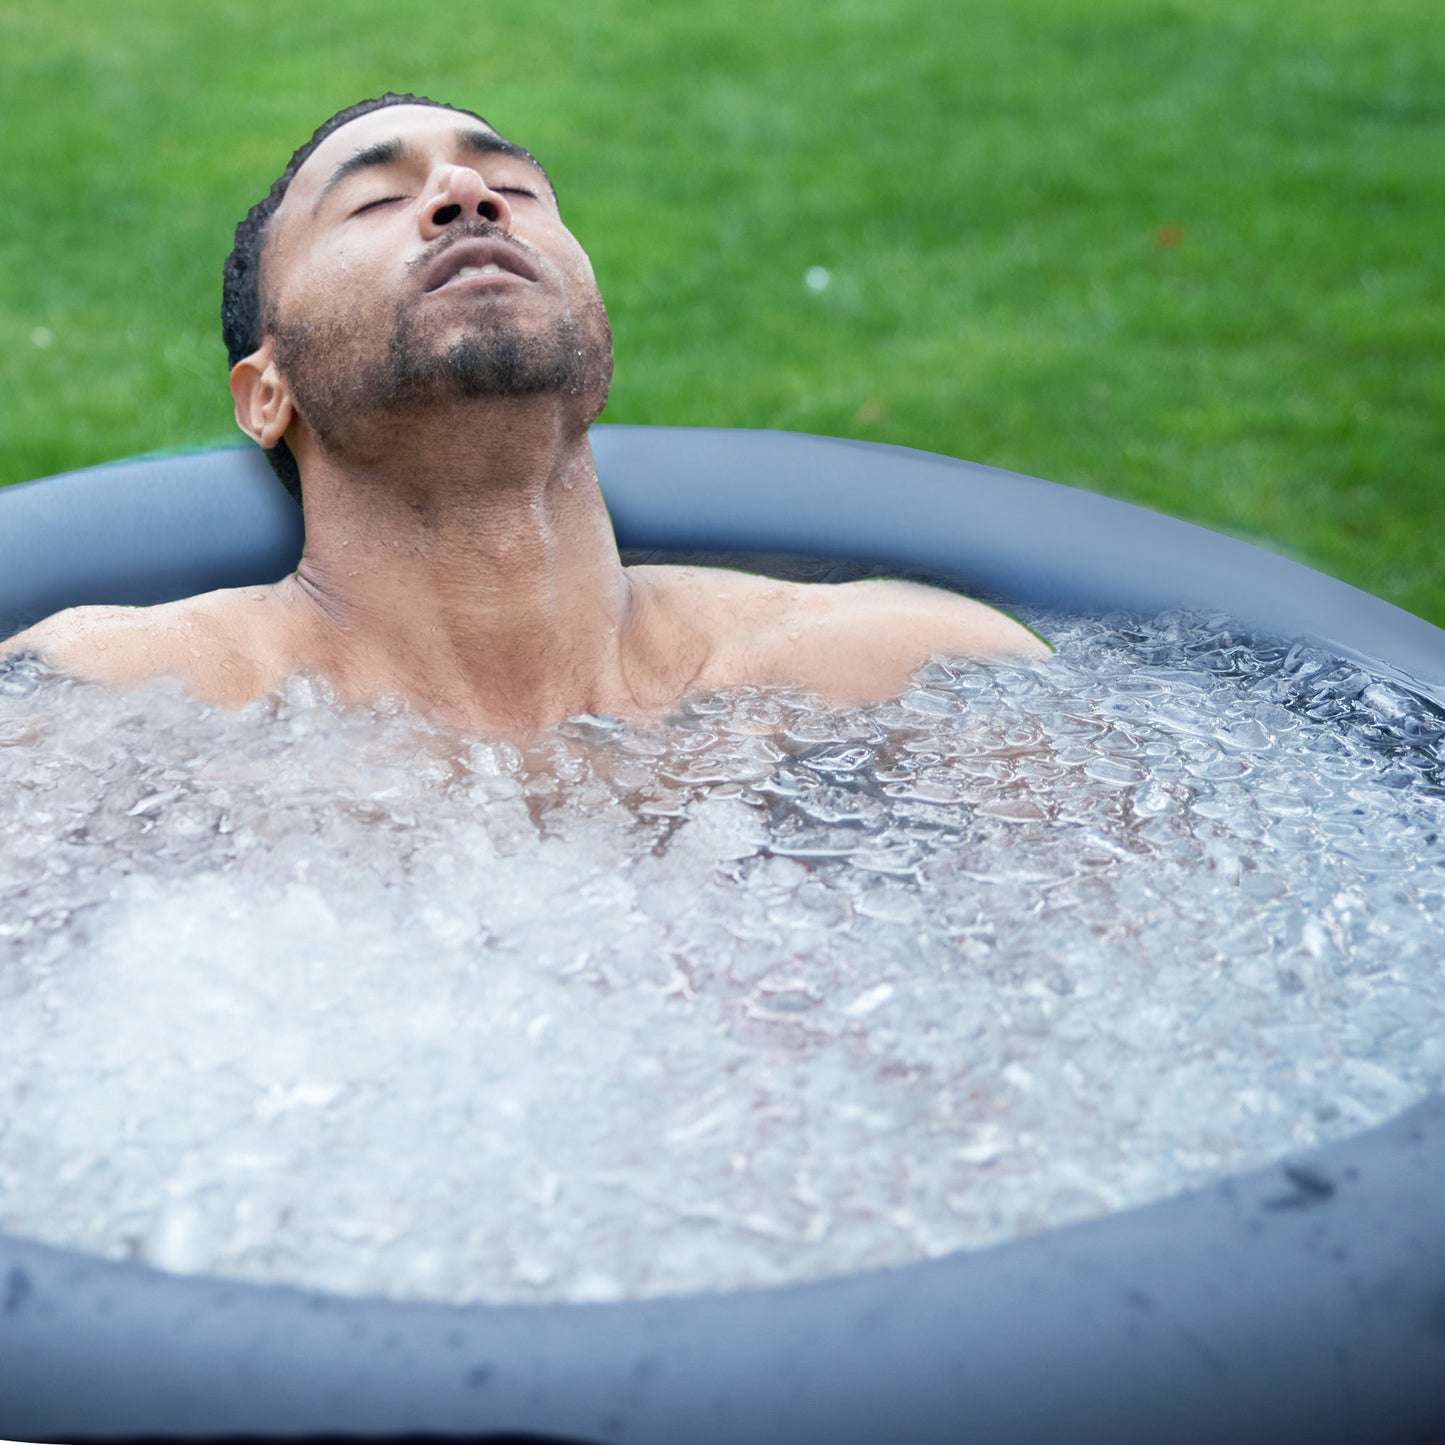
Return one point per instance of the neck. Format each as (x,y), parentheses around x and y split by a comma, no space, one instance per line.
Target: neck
(470,567)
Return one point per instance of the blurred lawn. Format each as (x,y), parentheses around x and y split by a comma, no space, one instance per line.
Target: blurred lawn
(1185,253)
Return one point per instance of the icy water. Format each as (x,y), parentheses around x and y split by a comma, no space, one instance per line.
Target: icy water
(764,993)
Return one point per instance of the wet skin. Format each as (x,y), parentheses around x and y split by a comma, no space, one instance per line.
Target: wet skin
(458,552)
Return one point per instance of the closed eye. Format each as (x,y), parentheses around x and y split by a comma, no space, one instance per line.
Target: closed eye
(380,201)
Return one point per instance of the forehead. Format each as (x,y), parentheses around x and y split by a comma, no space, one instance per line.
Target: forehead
(427,129)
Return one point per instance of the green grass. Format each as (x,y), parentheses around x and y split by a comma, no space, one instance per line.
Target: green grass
(1186,252)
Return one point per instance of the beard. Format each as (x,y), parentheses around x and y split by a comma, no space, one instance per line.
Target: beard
(345,395)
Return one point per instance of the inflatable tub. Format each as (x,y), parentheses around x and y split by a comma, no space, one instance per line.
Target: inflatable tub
(1303,1302)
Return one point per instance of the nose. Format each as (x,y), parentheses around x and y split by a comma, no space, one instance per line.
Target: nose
(460,193)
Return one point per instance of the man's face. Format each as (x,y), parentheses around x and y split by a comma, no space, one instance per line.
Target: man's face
(418,255)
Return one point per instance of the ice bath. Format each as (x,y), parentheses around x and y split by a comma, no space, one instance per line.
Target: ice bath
(762,994)
(814,993)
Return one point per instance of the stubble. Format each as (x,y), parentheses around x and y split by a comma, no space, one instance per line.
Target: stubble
(345,386)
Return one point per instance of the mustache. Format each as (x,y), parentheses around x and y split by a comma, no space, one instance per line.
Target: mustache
(477,230)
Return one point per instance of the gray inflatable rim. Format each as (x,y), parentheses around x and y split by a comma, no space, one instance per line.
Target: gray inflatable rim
(1303,1301)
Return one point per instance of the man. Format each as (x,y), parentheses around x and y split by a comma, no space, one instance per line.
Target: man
(418,342)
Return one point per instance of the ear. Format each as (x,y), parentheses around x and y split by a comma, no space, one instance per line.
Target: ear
(264,407)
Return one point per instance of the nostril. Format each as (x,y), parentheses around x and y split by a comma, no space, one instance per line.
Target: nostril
(445,215)
(488,210)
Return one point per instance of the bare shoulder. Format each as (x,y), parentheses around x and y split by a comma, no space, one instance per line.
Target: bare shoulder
(193,639)
(95,644)
(859,641)
(911,615)
(851,641)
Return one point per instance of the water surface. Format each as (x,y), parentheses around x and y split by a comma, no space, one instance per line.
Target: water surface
(764,993)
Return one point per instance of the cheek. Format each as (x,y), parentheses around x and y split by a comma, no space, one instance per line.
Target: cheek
(333,269)
(335,286)
(567,250)
(578,270)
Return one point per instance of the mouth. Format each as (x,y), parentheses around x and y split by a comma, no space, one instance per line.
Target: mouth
(482,260)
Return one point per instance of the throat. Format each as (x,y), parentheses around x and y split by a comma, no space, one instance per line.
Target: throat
(472,634)
(485,584)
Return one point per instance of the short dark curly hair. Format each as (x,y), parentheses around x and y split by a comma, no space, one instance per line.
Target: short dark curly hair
(242,309)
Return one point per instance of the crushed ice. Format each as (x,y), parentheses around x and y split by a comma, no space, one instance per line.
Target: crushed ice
(764,993)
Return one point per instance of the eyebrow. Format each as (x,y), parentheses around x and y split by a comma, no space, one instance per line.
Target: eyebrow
(397,152)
